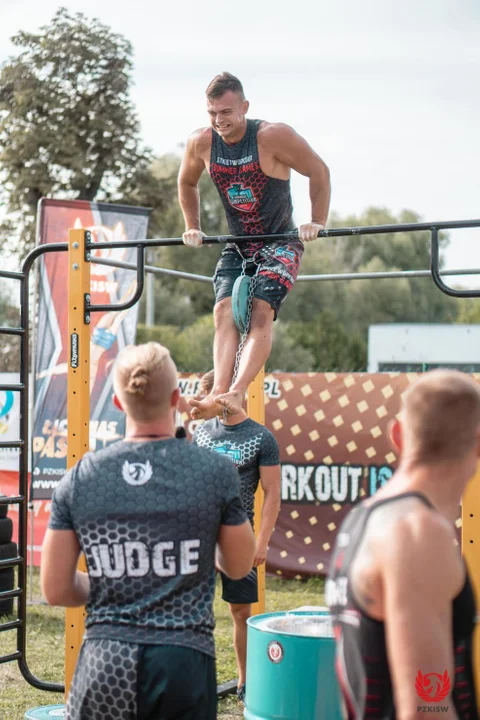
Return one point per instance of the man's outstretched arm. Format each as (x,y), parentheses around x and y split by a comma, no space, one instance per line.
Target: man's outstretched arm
(420,577)
(191,170)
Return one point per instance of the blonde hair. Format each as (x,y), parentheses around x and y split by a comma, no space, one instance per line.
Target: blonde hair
(206,383)
(145,377)
(441,416)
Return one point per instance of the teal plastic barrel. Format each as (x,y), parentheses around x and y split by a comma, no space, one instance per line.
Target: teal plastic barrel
(290,668)
(47,712)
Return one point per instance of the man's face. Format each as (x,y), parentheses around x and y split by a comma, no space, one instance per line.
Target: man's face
(227,114)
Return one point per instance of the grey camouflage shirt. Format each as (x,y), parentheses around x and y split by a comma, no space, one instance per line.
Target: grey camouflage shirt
(248,445)
(147,516)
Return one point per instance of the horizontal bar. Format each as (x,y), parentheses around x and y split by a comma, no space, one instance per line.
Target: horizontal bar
(12,444)
(300,278)
(6,594)
(8,658)
(12,331)
(8,275)
(154,270)
(227,688)
(382,275)
(12,386)
(329,232)
(10,562)
(14,500)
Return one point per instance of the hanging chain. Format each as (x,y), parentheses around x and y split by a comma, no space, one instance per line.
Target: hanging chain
(243,338)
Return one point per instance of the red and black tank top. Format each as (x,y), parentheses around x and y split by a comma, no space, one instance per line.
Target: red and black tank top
(361,654)
(255,204)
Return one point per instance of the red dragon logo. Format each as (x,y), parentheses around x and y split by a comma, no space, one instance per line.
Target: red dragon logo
(432,687)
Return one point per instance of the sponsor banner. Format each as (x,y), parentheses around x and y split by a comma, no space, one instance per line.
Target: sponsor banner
(332,429)
(110,331)
(9,421)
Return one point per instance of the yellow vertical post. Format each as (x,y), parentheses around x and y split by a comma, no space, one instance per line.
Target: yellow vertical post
(471,552)
(78,408)
(256,411)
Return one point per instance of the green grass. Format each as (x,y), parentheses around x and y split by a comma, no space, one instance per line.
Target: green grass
(45,647)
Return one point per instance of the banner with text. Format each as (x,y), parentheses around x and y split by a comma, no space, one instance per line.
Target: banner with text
(110,331)
(334,451)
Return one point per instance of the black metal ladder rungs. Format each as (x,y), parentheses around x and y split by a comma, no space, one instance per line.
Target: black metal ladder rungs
(12,331)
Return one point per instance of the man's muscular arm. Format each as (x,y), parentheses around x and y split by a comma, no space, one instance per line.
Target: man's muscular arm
(270,479)
(421,574)
(292,150)
(191,170)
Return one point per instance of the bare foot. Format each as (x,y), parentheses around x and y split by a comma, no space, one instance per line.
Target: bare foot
(205,408)
(231,401)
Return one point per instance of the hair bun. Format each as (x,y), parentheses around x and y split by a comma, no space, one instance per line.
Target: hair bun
(138,382)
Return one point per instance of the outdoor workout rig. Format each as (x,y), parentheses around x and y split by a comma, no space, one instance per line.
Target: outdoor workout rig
(79,250)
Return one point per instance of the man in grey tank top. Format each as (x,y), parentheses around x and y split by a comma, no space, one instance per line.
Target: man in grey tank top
(151,513)
(250,162)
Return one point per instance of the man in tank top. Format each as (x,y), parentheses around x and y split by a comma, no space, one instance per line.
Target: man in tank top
(250,162)
(399,592)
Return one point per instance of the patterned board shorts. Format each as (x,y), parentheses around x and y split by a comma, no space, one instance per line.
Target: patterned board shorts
(122,681)
(279,269)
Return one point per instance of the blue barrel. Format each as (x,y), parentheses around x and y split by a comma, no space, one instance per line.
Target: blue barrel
(290,668)
(47,712)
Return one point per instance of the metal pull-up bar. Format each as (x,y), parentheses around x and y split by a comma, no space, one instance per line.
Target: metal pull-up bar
(141,245)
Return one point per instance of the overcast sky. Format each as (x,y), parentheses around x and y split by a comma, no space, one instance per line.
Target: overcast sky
(385,90)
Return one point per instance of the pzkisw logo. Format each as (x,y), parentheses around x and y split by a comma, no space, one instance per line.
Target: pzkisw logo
(137,473)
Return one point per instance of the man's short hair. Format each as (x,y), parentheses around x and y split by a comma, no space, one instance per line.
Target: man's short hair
(441,416)
(223,83)
(144,379)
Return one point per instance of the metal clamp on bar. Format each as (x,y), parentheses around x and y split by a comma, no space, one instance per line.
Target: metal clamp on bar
(88,245)
(135,297)
(435,268)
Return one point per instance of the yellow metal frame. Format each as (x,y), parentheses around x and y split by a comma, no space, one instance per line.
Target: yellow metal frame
(471,553)
(78,408)
(256,411)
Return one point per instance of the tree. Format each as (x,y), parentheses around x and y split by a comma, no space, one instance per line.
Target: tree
(330,347)
(167,221)
(288,355)
(68,127)
(469,311)
(191,348)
